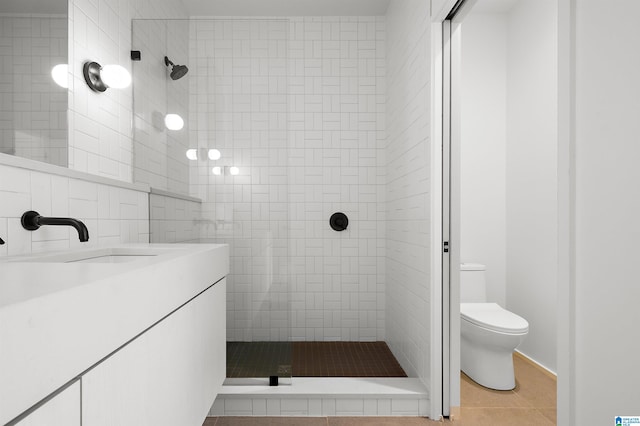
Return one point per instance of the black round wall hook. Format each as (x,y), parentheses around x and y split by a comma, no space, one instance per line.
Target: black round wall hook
(339,221)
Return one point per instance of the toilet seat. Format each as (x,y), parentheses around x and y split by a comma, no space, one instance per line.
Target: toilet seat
(493,317)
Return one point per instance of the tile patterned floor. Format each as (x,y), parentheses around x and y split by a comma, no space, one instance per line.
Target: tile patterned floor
(531,403)
(311,359)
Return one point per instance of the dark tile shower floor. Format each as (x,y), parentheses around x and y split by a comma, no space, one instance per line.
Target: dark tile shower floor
(311,359)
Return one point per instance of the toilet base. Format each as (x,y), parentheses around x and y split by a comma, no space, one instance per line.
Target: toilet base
(489,368)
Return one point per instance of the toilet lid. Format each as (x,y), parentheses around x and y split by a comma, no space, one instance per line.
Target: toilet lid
(493,317)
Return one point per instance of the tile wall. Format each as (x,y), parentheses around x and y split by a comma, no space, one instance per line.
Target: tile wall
(408,185)
(239,106)
(298,104)
(112,214)
(337,103)
(174,220)
(100,125)
(33,109)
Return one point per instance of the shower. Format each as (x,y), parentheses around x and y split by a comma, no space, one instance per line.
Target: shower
(177,71)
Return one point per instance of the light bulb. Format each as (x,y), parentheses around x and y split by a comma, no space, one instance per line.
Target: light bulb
(173,122)
(192,154)
(60,74)
(233,171)
(115,76)
(214,154)
(217,170)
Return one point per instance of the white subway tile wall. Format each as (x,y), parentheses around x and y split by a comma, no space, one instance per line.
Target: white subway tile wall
(408,197)
(33,108)
(112,215)
(298,104)
(174,220)
(100,125)
(337,164)
(239,106)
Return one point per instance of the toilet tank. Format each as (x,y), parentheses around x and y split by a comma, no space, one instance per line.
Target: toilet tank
(473,286)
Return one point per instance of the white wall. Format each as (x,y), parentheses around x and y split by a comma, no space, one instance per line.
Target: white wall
(532,189)
(408,309)
(483,148)
(607,208)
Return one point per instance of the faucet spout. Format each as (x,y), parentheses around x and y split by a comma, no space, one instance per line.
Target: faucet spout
(32,220)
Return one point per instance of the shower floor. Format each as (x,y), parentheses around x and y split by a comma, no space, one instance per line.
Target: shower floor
(311,359)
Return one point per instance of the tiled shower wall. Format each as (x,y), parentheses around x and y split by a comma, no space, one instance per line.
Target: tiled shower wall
(239,106)
(408,185)
(337,92)
(33,109)
(298,104)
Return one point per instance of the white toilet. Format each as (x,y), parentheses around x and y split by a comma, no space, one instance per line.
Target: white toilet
(488,332)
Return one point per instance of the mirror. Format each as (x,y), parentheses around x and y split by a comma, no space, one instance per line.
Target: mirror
(33,79)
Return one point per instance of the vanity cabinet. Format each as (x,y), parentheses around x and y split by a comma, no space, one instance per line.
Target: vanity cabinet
(61,410)
(169,375)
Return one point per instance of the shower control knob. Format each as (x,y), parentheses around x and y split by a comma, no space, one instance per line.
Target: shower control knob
(339,221)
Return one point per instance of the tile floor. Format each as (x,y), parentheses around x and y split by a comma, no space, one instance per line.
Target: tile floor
(311,359)
(532,402)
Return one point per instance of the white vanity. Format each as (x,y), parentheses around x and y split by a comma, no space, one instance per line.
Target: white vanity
(127,335)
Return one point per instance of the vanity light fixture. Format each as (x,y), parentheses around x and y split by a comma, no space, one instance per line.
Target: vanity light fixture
(99,78)
(173,122)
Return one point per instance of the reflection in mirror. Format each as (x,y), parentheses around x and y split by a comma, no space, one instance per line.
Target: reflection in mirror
(34,79)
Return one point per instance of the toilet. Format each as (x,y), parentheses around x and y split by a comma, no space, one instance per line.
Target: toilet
(488,333)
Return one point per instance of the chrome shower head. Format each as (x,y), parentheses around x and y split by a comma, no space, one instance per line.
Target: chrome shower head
(177,71)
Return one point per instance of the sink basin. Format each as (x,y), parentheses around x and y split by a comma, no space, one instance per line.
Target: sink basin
(101,255)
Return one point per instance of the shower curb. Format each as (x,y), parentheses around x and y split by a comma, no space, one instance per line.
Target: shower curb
(321,397)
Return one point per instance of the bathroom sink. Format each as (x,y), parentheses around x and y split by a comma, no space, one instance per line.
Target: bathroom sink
(101,255)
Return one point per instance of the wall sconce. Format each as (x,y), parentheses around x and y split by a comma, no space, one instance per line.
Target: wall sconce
(99,78)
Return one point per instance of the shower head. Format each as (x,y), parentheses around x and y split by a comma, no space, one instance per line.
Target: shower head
(177,71)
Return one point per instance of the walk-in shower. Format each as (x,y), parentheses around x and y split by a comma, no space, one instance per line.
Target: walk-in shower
(295,106)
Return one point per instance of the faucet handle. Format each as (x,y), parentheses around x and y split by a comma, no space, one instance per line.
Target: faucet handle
(1,241)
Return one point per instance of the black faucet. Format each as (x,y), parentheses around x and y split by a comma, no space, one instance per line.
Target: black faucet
(1,241)
(32,220)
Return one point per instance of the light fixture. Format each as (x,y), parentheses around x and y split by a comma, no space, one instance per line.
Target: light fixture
(214,154)
(234,171)
(173,122)
(60,74)
(99,78)
(192,154)
(217,170)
